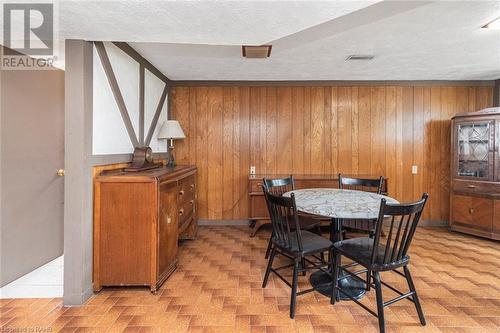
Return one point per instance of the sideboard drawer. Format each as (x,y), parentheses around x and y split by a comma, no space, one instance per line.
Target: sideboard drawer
(187,188)
(186,211)
(256,185)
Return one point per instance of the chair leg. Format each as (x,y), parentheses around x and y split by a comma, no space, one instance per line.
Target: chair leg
(293,299)
(415,296)
(303,265)
(380,302)
(318,230)
(368,279)
(269,266)
(335,262)
(269,246)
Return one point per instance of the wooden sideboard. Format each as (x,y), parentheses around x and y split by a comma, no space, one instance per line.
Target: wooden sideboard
(475,173)
(257,205)
(138,219)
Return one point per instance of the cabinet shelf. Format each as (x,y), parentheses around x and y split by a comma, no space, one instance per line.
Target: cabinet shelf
(474,141)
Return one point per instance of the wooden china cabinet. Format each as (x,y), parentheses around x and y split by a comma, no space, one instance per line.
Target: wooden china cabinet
(475,173)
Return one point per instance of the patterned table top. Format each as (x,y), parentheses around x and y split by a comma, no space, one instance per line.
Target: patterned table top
(342,204)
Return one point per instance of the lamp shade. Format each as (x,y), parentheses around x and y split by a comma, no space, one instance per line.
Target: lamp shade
(171,129)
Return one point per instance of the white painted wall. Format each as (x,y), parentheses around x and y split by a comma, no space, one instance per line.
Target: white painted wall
(109,134)
(153,88)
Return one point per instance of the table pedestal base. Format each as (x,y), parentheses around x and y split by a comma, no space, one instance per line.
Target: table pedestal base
(322,283)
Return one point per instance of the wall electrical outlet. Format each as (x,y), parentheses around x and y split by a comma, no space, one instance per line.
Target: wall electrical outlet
(414,169)
(252,170)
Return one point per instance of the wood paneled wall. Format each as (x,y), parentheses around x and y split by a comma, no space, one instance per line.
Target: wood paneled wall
(378,130)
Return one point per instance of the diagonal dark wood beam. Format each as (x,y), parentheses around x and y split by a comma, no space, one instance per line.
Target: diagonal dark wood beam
(141,105)
(103,55)
(156,116)
(125,47)
(496,93)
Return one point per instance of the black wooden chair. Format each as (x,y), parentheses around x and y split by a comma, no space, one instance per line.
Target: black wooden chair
(295,244)
(360,184)
(279,187)
(376,256)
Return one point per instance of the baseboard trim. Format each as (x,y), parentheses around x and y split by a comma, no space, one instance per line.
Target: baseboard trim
(244,222)
(427,223)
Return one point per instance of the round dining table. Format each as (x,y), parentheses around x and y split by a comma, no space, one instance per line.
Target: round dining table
(338,204)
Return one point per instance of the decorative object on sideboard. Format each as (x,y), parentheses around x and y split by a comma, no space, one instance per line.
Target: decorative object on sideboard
(171,129)
(142,160)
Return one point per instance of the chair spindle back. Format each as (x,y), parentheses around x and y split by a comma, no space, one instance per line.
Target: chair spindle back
(361,184)
(279,186)
(283,212)
(403,220)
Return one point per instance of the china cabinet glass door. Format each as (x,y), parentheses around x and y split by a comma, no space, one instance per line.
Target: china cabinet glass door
(473,150)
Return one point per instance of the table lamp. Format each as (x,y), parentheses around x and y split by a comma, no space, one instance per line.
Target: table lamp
(171,129)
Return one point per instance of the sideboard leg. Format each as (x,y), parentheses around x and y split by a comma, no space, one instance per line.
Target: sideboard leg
(256,227)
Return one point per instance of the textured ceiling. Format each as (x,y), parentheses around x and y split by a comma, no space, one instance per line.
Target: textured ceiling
(410,40)
(197,22)
(201,40)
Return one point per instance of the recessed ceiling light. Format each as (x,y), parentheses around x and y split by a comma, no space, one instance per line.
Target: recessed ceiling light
(495,24)
(360,57)
(256,52)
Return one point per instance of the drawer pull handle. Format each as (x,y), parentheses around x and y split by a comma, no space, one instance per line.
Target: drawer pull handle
(181,192)
(181,211)
(191,202)
(471,186)
(471,210)
(191,186)
(169,220)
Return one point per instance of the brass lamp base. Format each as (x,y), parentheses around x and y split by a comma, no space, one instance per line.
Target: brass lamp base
(171,160)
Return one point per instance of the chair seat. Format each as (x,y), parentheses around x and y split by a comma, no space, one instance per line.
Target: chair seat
(311,243)
(360,250)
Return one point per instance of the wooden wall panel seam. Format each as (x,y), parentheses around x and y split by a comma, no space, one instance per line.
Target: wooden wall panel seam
(141,103)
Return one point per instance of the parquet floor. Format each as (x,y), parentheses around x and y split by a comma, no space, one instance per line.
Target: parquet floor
(217,288)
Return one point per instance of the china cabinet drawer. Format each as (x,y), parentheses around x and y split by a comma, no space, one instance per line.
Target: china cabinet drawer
(472,212)
(475,187)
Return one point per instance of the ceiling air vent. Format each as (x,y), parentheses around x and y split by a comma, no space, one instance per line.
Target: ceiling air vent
(360,57)
(256,52)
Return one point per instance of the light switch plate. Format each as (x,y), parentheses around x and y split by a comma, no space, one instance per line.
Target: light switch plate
(414,169)
(252,170)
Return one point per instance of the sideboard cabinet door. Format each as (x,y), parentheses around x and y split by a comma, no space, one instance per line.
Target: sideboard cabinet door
(168,230)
